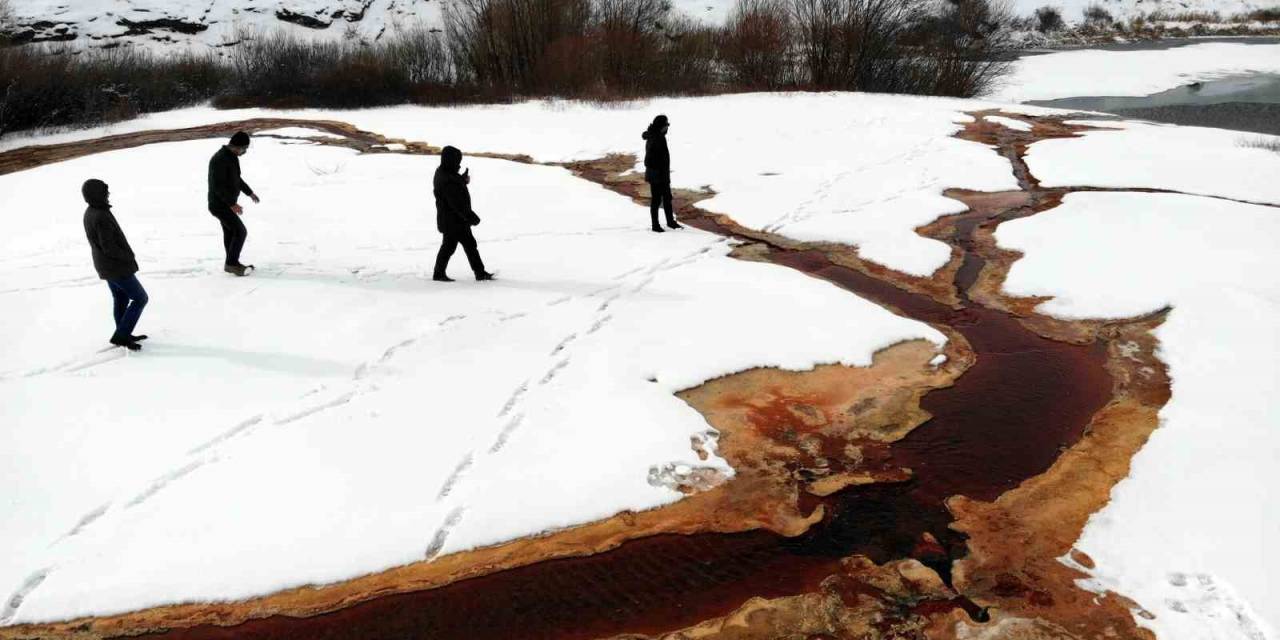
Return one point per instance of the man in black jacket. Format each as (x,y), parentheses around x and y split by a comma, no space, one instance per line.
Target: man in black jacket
(657,172)
(225,187)
(454,217)
(114,261)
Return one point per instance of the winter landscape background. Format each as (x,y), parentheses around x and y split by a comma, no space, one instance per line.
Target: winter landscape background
(337,416)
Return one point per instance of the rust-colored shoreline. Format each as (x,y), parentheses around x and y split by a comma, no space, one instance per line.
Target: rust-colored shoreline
(983,575)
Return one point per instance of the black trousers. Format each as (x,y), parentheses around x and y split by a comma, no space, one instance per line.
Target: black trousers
(660,195)
(234,234)
(449,244)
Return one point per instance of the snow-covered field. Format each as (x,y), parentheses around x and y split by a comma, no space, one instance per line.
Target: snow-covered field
(860,169)
(1190,534)
(338,399)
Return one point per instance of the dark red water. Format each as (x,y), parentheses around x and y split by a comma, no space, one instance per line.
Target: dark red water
(1005,420)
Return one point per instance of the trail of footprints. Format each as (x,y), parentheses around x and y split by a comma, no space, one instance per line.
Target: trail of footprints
(207,453)
(559,358)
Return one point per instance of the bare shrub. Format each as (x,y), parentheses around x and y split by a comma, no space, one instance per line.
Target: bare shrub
(755,44)
(1097,15)
(901,46)
(851,44)
(1258,15)
(959,50)
(1266,144)
(687,58)
(630,36)
(503,45)
(1049,19)
(1195,17)
(280,70)
(48,87)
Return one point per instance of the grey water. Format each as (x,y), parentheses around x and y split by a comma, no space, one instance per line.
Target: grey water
(1153,45)
(1248,102)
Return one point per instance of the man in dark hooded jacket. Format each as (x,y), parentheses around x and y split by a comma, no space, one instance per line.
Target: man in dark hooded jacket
(114,261)
(657,172)
(454,217)
(225,187)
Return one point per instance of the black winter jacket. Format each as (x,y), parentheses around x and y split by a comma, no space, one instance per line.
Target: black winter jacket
(112,256)
(657,159)
(453,198)
(225,183)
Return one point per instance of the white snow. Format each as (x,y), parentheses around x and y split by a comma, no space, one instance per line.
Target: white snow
(1093,72)
(337,413)
(1187,534)
(1140,155)
(861,169)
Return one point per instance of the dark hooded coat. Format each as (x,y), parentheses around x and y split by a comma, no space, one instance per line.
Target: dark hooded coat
(112,256)
(225,183)
(657,159)
(453,199)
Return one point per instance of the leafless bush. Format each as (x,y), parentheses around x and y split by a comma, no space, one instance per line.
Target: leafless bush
(755,44)
(46,87)
(852,44)
(1201,17)
(1258,15)
(1267,143)
(497,50)
(1049,19)
(595,49)
(686,59)
(959,50)
(1097,15)
(630,37)
(901,46)
(281,70)
(518,45)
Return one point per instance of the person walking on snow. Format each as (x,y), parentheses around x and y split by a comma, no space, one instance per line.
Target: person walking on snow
(225,187)
(657,172)
(114,261)
(454,217)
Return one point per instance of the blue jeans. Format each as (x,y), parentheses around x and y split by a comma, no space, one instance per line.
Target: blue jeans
(130,298)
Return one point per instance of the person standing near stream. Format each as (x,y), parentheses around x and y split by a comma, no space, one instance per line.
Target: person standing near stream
(225,187)
(657,172)
(114,261)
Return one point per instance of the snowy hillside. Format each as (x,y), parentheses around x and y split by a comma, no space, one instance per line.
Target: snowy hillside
(216,23)
(1073,10)
(212,23)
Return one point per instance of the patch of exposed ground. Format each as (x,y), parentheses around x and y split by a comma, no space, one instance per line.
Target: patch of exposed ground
(809,448)
(341,134)
(798,439)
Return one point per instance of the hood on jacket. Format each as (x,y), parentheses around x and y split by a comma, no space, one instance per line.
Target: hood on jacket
(655,127)
(451,159)
(95,193)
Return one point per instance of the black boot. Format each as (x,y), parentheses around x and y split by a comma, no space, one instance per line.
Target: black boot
(138,338)
(127,343)
(440,277)
(657,229)
(483,275)
(671,223)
